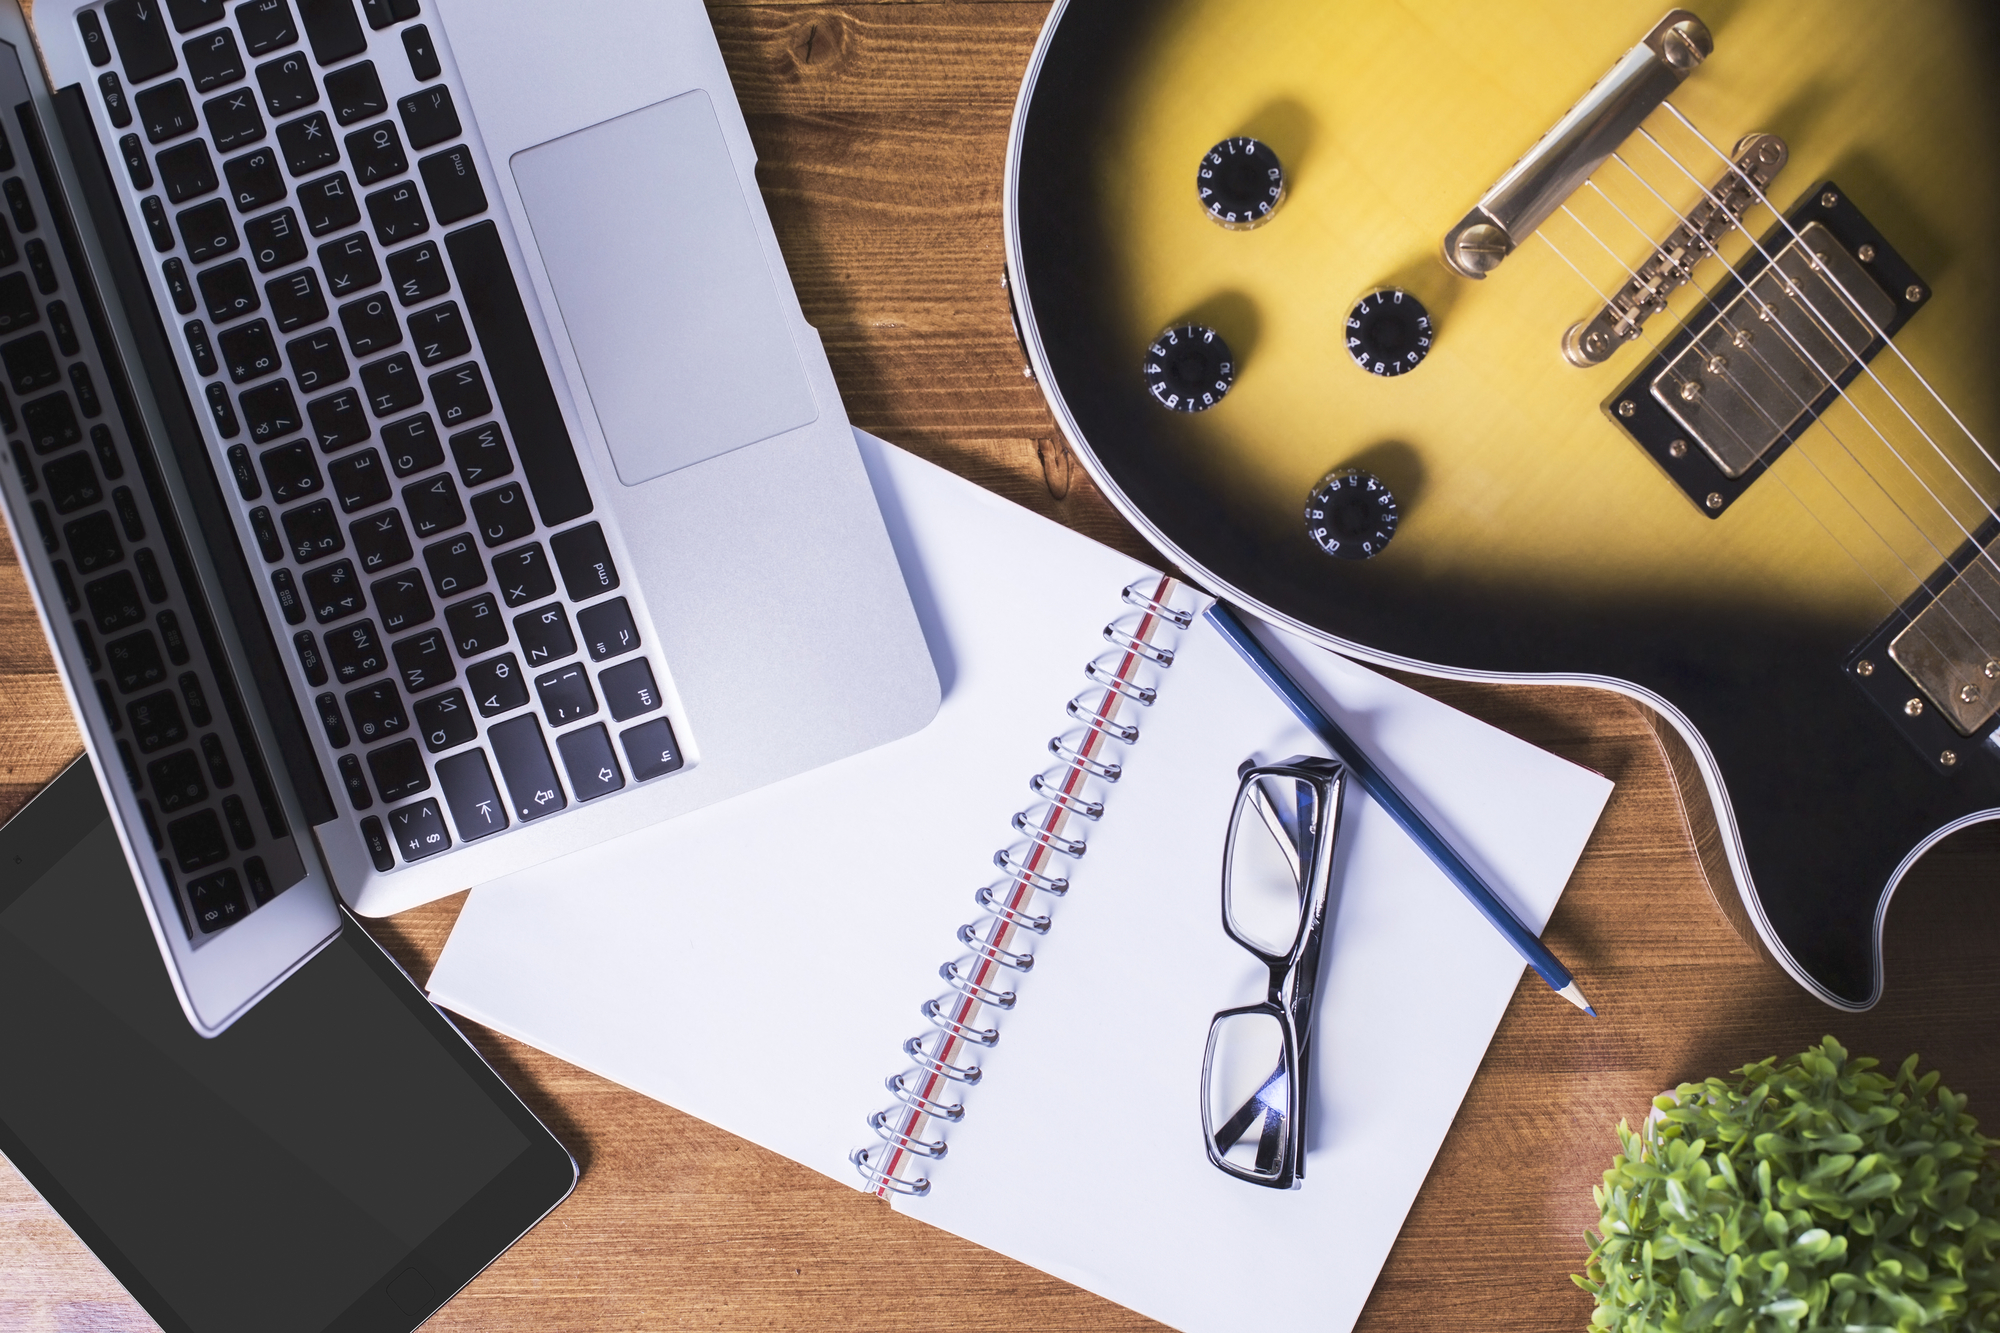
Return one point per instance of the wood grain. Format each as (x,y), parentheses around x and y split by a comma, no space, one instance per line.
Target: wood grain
(882,132)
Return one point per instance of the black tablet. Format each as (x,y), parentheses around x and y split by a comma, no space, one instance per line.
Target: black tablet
(339,1159)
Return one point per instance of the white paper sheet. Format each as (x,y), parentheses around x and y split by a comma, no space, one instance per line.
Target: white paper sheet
(759,962)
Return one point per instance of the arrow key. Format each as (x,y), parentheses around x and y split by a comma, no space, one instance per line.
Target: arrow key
(589,761)
(468,788)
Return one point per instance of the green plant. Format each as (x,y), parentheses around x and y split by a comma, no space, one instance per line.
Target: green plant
(1811,1193)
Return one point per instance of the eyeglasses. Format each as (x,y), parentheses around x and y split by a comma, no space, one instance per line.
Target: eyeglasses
(1276,867)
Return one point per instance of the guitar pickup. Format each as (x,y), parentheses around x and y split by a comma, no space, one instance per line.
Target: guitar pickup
(1770,350)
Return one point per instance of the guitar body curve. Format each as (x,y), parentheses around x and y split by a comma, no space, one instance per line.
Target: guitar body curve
(1538,541)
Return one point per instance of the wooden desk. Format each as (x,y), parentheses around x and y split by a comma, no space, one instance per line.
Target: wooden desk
(882,129)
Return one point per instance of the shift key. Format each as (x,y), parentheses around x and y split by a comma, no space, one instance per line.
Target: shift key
(524,764)
(468,787)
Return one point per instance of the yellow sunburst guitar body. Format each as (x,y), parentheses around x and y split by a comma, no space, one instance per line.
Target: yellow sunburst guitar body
(1707,411)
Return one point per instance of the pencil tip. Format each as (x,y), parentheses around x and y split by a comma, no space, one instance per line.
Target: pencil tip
(1574,995)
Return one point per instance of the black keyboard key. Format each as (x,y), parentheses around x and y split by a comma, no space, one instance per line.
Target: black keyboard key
(228,291)
(238,820)
(376,154)
(316,359)
(397,213)
(223,411)
(107,453)
(313,532)
(354,652)
(422,53)
(377,711)
(380,541)
(524,575)
(80,382)
(332,720)
(157,225)
(565,694)
(468,789)
(544,635)
(629,689)
(266,25)
(51,422)
(377,839)
(286,591)
(199,347)
(254,179)
(327,203)
(31,363)
(455,565)
(65,336)
(176,781)
(18,204)
(413,445)
(419,830)
(355,93)
(287,84)
(198,842)
(333,30)
(249,351)
(378,12)
(650,749)
(359,480)
(100,51)
(135,662)
(115,104)
(333,591)
(7,252)
(357,785)
(476,626)
(140,31)
(587,758)
(40,266)
(218,762)
(428,115)
(439,333)
(165,112)
(137,165)
(445,720)
(418,273)
(524,766)
(292,471)
(310,660)
(190,14)
(114,602)
(207,230)
(370,323)
(481,454)
(338,420)
(584,558)
(216,900)
(349,264)
(497,685)
(72,483)
(391,385)
(459,395)
(233,119)
(501,514)
(135,531)
(212,60)
(296,300)
(451,179)
(93,543)
(156,723)
(425,661)
(267,534)
(25,469)
(186,171)
(307,143)
(270,410)
(149,569)
(275,239)
(493,303)
(18,308)
(433,505)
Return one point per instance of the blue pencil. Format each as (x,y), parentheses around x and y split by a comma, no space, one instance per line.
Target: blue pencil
(1377,784)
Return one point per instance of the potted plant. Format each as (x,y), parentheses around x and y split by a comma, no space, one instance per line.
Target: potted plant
(1807,1193)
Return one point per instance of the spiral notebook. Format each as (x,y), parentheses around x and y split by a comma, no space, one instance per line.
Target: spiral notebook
(818,966)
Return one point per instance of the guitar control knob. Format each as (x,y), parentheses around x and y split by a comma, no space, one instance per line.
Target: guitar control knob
(1188,368)
(1240,183)
(1351,514)
(1389,332)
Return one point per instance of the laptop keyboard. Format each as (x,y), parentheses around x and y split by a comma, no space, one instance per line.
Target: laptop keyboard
(319,225)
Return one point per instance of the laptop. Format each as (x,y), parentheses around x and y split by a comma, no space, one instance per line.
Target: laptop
(419,458)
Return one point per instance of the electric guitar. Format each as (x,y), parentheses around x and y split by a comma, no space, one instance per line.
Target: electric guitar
(1569,342)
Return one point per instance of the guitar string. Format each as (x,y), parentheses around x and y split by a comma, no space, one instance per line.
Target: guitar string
(1908,365)
(1828,327)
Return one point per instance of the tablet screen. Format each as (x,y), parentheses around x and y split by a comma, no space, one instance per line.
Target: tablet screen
(266,1178)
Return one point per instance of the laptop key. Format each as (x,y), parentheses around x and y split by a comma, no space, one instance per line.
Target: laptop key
(199,347)
(428,114)
(218,762)
(455,565)
(296,300)
(525,767)
(399,770)
(156,723)
(524,575)
(93,543)
(468,789)
(287,84)
(267,25)
(275,240)
(423,55)
(176,781)
(459,395)
(419,830)
(31,363)
(135,661)
(310,661)
(651,749)
(139,30)
(397,213)
(502,514)
(18,309)
(254,179)
(207,231)
(544,635)
(370,323)
(349,264)
(286,590)
(227,291)
(475,624)
(100,53)
(585,560)
(327,203)
(402,601)
(216,900)
(46,281)
(51,423)
(377,839)
(481,454)
(565,694)
(213,60)
(357,785)
(136,164)
(355,93)
(391,384)
(589,761)
(338,421)
(316,359)
(333,592)
(191,14)
(359,480)
(425,661)
(439,333)
(115,103)
(608,629)
(270,410)
(331,719)
(165,112)
(381,541)
(313,532)
(497,685)
(249,351)
(72,483)
(418,273)
(233,119)
(445,720)
(376,154)
(266,533)
(377,711)
(292,471)
(413,445)
(307,143)
(332,29)
(187,172)
(629,689)
(433,505)
(354,652)
(451,179)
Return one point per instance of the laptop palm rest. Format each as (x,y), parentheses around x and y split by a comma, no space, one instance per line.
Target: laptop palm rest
(664,287)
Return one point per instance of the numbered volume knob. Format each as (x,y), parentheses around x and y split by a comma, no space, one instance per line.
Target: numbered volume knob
(1188,369)
(1389,332)
(1351,514)
(1241,183)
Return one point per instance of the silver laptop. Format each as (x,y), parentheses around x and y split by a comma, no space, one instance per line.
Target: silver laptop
(418,454)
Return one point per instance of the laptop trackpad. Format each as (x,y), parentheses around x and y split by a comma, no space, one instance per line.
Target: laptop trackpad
(662,282)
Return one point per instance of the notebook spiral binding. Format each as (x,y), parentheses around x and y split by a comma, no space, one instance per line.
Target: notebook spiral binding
(983,977)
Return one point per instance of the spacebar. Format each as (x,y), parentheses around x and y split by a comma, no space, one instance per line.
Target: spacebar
(548,458)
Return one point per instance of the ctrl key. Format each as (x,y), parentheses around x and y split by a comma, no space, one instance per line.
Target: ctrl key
(419,830)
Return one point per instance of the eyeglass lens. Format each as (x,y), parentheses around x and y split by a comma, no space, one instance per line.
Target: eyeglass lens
(1270,858)
(1248,1091)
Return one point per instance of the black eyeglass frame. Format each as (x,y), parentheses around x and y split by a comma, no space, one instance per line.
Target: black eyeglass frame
(1294,974)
